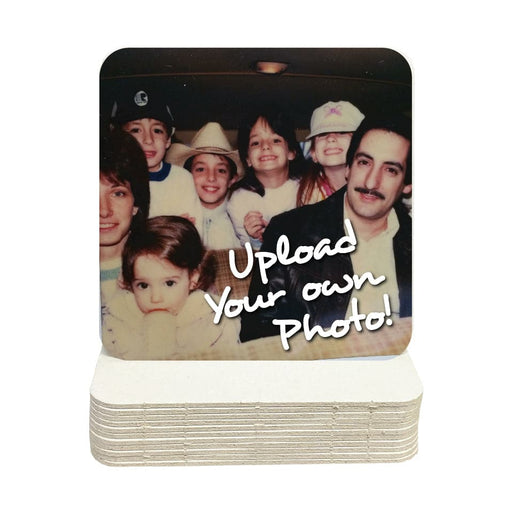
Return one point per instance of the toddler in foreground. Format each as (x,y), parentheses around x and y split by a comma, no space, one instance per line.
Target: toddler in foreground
(162,314)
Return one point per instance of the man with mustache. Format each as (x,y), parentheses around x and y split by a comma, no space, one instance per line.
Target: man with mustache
(378,174)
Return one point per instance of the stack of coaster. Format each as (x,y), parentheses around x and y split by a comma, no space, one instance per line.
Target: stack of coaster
(254,412)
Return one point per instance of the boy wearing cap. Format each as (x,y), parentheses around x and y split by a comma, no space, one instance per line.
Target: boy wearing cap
(332,126)
(144,113)
(214,166)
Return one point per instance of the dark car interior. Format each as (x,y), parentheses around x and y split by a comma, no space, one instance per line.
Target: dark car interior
(217,84)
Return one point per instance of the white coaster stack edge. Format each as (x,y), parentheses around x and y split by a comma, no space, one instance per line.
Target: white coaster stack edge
(247,412)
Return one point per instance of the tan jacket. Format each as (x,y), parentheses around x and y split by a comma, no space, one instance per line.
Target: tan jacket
(131,335)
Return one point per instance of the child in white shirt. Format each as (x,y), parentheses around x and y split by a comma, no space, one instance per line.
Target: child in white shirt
(214,166)
(274,163)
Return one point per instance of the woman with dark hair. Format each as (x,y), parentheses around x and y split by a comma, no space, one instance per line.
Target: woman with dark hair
(273,162)
(124,201)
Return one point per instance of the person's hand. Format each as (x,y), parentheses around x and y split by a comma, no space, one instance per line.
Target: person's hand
(160,334)
(254,224)
(189,217)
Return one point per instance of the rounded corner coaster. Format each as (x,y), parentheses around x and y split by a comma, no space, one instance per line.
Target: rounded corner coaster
(274,227)
(378,380)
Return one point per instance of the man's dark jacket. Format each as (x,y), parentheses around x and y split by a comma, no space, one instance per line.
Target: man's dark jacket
(306,226)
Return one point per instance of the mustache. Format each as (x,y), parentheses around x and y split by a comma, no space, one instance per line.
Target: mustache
(370,192)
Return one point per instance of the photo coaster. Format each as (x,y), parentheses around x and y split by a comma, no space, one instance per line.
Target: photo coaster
(255,258)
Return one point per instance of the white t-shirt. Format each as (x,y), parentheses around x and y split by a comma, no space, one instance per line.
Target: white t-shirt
(172,193)
(274,202)
(218,231)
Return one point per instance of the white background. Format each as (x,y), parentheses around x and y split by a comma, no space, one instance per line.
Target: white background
(51,55)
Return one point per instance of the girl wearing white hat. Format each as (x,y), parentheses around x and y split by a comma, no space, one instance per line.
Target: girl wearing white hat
(332,126)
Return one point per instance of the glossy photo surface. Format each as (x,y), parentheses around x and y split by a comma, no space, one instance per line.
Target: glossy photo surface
(255,204)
